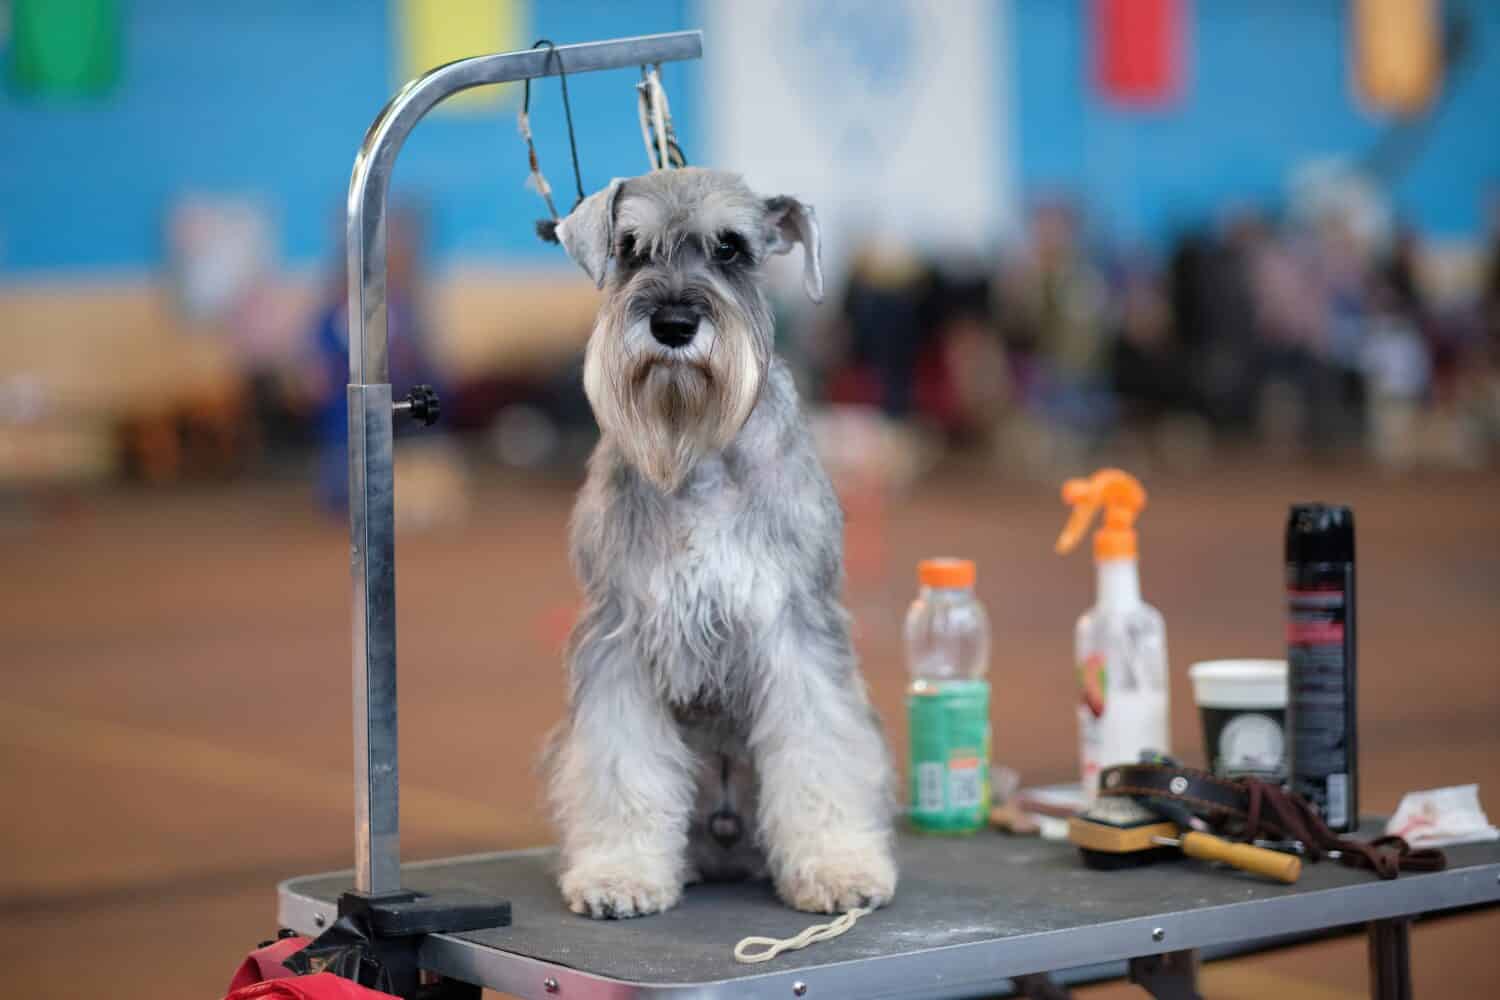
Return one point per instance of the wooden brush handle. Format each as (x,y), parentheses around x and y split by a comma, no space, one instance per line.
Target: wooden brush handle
(1246,857)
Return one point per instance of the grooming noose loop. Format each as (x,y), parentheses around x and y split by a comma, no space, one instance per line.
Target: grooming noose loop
(652,108)
(771,947)
(535,179)
(662,150)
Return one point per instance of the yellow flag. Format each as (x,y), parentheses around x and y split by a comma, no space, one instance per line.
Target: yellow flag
(433,32)
(1397,53)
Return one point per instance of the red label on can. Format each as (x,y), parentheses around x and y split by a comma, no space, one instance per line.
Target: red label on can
(1314,632)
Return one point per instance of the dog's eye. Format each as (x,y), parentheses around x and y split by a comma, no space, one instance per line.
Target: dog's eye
(728,247)
(627,247)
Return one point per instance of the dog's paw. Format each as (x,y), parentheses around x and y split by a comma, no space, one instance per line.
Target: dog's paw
(837,883)
(615,890)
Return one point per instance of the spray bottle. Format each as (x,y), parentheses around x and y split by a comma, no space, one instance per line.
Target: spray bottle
(1121,642)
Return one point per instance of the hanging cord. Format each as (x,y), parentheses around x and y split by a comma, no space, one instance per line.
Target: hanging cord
(547,228)
(771,947)
(655,113)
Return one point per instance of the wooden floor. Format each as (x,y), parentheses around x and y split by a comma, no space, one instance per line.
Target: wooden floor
(175,720)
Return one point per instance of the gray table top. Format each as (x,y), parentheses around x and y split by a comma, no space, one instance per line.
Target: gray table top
(969,914)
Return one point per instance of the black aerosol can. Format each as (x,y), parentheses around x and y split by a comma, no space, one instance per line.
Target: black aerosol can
(1321,707)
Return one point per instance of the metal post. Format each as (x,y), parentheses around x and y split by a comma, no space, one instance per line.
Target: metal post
(1172,975)
(377,844)
(1390,959)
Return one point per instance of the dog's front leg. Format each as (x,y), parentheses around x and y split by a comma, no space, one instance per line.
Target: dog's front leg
(825,805)
(622,787)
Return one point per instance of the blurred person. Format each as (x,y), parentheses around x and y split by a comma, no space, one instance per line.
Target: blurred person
(971,377)
(1151,373)
(1347,281)
(1287,319)
(1212,305)
(410,359)
(1052,302)
(1479,385)
(1146,355)
(1488,324)
(1489,296)
(1402,272)
(1397,372)
(1401,276)
(872,352)
(964,379)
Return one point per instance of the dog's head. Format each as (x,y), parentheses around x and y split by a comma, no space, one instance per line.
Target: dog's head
(683,341)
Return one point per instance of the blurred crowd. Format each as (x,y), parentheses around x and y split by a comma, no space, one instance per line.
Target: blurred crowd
(1309,333)
(1296,335)
(1315,334)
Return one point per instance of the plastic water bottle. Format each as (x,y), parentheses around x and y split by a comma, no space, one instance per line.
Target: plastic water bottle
(948,702)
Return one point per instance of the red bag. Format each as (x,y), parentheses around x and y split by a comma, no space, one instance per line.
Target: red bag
(320,986)
(266,963)
(262,976)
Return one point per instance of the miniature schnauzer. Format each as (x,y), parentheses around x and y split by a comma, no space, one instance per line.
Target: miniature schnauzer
(718,726)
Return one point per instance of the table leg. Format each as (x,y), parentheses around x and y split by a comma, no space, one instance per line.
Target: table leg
(1172,975)
(1390,959)
(448,989)
(1040,986)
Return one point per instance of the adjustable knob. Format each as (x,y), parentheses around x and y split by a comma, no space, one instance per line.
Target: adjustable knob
(421,405)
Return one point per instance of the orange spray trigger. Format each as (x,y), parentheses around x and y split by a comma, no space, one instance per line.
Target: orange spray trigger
(1122,497)
(1076,493)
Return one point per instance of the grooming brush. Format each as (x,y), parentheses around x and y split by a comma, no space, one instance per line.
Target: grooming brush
(1119,832)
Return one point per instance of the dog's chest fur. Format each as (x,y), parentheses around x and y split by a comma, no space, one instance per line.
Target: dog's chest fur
(705,581)
(698,574)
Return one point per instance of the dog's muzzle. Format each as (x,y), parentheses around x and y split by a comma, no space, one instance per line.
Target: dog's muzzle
(674,325)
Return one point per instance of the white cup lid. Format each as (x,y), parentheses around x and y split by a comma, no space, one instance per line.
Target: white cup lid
(1239,683)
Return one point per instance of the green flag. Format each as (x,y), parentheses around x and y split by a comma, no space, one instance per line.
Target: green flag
(64,48)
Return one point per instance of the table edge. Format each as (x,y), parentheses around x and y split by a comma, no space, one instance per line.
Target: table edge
(951,970)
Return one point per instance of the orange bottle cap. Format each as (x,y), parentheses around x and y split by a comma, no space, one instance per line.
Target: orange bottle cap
(946,572)
(1114,544)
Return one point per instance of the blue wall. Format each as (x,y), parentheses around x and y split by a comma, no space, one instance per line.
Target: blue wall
(1267,87)
(271,98)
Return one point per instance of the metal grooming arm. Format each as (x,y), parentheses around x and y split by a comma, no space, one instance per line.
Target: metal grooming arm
(377,845)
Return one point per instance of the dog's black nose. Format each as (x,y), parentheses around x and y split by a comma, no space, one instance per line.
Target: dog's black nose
(674,325)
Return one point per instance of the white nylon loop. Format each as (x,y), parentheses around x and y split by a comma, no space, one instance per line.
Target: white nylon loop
(771,947)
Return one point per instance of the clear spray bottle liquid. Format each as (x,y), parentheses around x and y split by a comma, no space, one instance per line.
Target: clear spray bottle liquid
(1120,644)
(948,701)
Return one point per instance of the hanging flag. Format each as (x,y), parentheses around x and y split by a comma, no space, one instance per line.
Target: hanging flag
(1138,50)
(64,48)
(1397,54)
(892,118)
(430,33)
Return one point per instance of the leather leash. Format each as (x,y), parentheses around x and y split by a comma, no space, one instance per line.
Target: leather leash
(1251,809)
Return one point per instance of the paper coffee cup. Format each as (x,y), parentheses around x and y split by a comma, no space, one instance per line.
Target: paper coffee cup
(1243,707)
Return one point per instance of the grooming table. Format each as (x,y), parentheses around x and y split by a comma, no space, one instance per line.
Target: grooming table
(970,916)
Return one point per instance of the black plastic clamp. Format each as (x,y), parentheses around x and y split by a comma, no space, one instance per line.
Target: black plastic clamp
(376,939)
(421,404)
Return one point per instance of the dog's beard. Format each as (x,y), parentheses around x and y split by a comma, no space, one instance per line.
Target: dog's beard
(666,410)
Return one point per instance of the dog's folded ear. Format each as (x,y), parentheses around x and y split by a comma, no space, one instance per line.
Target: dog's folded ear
(791,222)
(588,233)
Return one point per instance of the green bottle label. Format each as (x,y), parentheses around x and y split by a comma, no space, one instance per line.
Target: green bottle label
(948,723)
